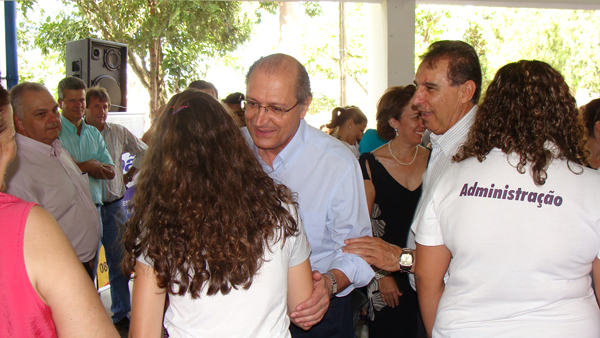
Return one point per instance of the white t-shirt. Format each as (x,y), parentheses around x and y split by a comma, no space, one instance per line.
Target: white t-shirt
(260,311)
(352,148)
(522,254)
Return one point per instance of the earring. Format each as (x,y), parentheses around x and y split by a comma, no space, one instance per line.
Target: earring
(349,127)
(396,131)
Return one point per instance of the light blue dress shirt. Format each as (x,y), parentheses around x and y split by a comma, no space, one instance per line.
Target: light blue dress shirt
(331,199)
(89,145)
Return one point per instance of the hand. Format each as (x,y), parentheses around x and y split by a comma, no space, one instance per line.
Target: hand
(312,310)
(97,169)
(389,291)
(375,251)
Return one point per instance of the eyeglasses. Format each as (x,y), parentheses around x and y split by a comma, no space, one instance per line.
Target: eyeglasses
(251,107)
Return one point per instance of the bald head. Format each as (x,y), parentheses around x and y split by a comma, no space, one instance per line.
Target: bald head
(284,64)
(17,92)
(36,112)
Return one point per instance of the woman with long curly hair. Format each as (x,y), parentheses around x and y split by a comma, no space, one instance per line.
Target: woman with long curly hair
(516,220)
(213,231)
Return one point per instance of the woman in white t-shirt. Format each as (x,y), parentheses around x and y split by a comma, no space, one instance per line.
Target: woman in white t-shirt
(212,232)
(516,221)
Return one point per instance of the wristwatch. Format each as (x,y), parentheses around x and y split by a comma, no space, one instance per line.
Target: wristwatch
(406,260)
(333,282)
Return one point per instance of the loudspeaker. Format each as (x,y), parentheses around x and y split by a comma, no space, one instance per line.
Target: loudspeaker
(100,63)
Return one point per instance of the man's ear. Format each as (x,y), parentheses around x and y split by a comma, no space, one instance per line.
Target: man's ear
(467,91)
(60,102)
(19,127)
(305,106)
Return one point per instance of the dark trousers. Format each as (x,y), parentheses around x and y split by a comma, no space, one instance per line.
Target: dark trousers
(337,322)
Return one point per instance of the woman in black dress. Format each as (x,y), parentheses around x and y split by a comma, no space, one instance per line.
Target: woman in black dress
(393,174)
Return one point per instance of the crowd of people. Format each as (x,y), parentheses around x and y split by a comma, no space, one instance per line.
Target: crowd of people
(461,219)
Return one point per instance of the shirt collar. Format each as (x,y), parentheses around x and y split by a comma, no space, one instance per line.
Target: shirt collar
(54,149)
(292,149)
(455,136)
(287,154)
(70,126)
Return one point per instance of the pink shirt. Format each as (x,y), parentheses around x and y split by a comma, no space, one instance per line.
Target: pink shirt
(23,313)
(48,176)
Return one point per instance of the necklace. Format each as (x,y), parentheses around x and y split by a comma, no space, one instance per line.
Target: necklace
(409,163)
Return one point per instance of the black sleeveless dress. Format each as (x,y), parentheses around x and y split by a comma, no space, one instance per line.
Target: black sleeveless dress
(392,215)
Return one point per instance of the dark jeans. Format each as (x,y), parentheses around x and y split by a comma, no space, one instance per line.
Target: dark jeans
(112,220)
(337,322)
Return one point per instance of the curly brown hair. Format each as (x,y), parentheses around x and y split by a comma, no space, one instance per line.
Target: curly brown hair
(527,104)
(390,105)
(204,211)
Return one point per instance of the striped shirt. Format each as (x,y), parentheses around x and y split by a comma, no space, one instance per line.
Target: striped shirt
(120,140)
(443,148)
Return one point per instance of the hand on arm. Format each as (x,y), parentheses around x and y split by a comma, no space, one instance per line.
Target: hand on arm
(97,169)
(430,269)
(300,286)
(311,311)
(76,308)
(375,251)
(148,304)
(389,291)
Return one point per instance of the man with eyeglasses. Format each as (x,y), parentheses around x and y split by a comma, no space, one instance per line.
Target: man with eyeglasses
(328,182)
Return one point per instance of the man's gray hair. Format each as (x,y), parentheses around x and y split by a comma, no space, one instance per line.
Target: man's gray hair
(280,62)
(17,92)
(70,83)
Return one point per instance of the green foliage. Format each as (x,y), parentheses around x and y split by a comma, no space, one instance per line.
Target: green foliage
(474,37)
(323,55)
(312,9)
(169,42)
(321,103)
(566,39)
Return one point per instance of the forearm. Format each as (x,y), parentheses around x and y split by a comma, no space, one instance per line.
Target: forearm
(355,272)
(429,275)
(342,280)
(429,296)
(85,167)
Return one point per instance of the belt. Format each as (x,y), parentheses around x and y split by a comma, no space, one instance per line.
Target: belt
(109,203)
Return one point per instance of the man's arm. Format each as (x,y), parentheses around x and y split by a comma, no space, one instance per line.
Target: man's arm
(377,252)
(129,175)
(97,169)
(135,147)
(349,218)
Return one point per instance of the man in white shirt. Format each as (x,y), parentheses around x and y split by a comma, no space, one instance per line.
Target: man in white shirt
(448,84)
(328,183)
(118,140)
(45,173)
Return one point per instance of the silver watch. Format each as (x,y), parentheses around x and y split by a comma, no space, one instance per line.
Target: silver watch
(407,260)
(333,282)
